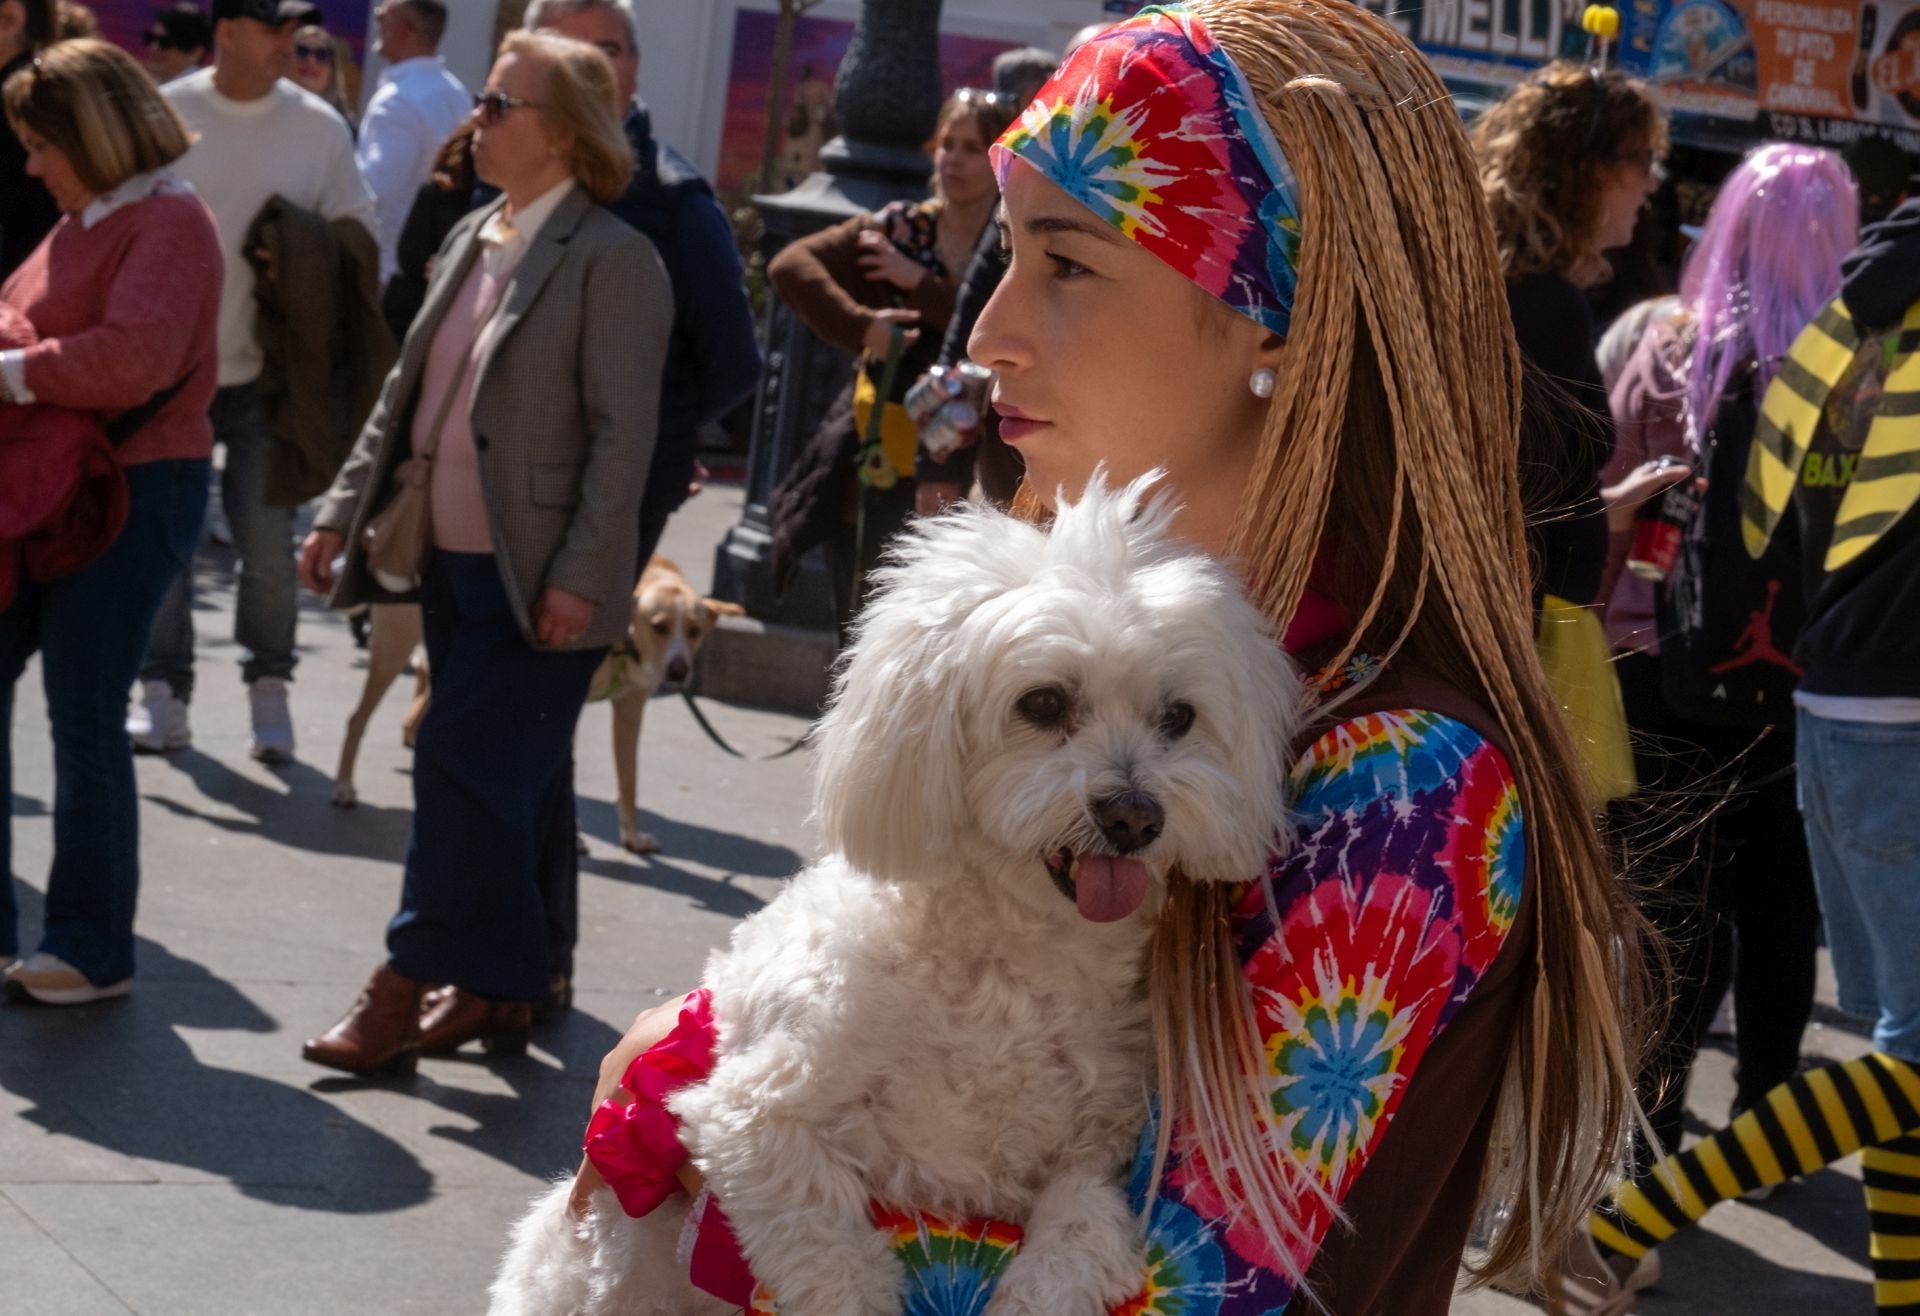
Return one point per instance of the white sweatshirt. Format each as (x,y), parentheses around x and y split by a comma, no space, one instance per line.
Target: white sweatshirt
(289,144)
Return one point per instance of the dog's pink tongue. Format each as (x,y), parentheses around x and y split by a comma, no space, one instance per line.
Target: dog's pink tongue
(1108,887)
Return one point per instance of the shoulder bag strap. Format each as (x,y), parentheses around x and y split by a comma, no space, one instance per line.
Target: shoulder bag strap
(129,423)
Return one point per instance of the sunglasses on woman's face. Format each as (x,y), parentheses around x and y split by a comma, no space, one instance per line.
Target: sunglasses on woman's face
(314,54)
(492,106)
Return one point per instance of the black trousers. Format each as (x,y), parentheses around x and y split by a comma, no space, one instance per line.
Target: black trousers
(1718,859)
(485,906)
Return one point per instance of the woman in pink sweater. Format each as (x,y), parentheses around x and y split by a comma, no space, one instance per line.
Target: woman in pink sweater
(123,297)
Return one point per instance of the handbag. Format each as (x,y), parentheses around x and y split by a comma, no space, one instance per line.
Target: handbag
(888,435)
(397,536)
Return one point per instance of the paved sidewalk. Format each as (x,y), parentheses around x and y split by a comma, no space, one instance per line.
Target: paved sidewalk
(172,1154)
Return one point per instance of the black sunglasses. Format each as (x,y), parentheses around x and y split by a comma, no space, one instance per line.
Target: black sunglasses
(318,54)
(492,106)
(158,41)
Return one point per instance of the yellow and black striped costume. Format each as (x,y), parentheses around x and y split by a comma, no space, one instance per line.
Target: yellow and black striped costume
(1870,1105)
(1886,480)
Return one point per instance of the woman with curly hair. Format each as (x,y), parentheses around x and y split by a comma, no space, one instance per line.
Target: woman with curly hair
(1566,162)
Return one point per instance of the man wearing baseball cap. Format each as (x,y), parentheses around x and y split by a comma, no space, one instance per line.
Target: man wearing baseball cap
(259,137)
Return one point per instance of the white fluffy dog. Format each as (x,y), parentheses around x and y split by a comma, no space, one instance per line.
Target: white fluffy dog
(948,1012)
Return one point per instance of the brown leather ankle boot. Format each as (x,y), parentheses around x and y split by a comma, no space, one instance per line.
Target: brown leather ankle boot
(450,1018)
(380,1034)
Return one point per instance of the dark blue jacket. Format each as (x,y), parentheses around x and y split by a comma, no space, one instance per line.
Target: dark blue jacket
(713,358)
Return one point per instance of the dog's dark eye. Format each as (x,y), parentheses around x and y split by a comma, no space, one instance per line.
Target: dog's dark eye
(661,626)
(1176,721)
(1045,707)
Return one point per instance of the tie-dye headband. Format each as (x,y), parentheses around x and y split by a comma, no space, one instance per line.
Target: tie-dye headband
(1153,127)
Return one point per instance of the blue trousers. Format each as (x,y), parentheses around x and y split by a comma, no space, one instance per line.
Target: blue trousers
(492,788)
(1860,796)
(90,629)
(267,602)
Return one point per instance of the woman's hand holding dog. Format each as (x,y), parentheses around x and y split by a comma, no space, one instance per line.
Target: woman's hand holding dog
(649,1026)
(317,553)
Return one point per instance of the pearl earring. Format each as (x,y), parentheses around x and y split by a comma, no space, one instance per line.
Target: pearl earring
(1262,383)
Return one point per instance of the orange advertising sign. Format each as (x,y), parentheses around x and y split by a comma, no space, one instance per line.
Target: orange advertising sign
(1806,50)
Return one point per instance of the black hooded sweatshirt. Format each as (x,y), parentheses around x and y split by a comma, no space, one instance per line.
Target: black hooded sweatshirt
(1862,637)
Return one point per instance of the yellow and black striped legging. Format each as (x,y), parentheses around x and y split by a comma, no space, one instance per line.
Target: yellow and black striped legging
(1870,1105)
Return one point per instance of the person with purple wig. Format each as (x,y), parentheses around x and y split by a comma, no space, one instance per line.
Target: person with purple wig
(1704,654)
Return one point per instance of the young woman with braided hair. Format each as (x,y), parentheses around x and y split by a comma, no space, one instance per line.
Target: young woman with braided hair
(1248,248)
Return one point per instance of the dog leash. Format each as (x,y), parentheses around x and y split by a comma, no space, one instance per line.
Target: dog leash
(796,743)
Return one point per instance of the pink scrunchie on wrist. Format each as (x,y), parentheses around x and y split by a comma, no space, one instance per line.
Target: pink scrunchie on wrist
(636,1146)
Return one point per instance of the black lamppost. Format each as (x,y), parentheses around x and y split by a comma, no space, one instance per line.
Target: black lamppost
(886,100)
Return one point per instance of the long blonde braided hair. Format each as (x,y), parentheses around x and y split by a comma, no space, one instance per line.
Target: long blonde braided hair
(1393,434)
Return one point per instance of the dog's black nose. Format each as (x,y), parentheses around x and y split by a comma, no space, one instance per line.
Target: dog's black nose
(677,671)
(1130,820)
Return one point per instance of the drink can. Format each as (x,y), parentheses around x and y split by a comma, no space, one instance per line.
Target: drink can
(1658,532)
(947,404)
(930,392)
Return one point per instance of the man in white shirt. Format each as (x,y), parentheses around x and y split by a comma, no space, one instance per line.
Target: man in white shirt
(258,136)
(416,107)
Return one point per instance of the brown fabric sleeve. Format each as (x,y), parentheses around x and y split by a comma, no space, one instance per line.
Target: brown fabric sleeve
(820,279)
(934,299)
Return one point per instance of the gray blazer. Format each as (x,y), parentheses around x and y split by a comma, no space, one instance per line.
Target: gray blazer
(566,401)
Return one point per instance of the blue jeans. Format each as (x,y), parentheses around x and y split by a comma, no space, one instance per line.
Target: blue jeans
(1860,793)
(485,906)
(90,629)
(268,601)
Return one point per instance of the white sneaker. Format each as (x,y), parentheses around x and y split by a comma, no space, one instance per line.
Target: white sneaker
(219,532)
(272,739)
(49,980)
(158,721)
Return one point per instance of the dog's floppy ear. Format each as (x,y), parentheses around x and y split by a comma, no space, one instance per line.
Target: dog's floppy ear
(721,608)
(889,792)
(890,788)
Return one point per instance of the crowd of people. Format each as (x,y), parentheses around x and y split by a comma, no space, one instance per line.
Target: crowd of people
(1605,621)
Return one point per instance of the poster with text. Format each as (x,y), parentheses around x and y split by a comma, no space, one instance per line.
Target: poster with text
(1826,71)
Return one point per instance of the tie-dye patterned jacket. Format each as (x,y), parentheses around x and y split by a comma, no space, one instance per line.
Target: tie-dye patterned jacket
(1397,897)
(1394,903)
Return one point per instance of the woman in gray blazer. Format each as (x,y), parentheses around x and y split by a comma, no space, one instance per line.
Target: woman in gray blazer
(531,381)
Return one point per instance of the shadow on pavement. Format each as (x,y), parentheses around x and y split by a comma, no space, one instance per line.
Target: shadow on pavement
(1826,1206)
(715,894)
(121,1076)
(1706,1272)
(300,815)
(727,851)
(536,1127)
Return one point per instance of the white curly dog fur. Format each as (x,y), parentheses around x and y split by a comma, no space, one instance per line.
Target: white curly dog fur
(1033,728)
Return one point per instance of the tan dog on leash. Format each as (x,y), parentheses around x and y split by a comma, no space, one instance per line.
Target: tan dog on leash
(670,621)
(394,635)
